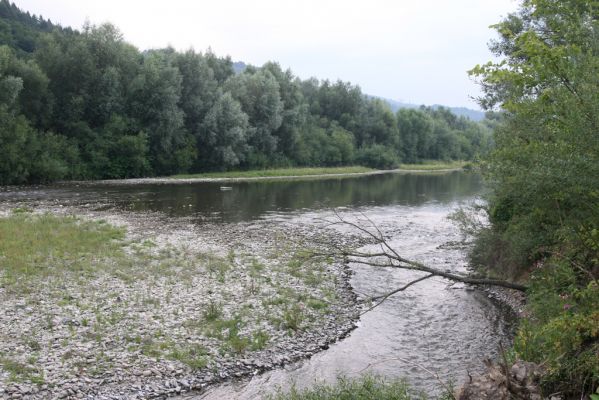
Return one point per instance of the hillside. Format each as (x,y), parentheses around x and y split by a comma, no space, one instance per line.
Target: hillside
(474,115)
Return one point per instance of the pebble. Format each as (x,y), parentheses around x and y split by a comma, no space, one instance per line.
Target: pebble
(72,357)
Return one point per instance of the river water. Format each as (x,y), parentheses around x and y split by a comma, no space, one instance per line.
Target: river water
(434,329)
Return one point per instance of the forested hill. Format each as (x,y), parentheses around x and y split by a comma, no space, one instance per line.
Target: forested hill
(85,104)
(474,115)
(21,30)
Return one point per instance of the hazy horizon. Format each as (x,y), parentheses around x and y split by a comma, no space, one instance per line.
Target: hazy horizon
(413,52)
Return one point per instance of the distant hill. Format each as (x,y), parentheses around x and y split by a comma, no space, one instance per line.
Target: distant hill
(239,67)
(474,115)
(21,30)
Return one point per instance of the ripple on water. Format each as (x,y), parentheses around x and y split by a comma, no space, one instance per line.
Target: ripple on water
(447,329)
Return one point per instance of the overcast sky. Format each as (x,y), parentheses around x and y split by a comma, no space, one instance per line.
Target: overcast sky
(415,51)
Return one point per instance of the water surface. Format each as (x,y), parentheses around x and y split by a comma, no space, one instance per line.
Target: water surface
(446,329)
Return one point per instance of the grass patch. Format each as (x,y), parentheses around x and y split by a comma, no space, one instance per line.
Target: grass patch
(269,173)
(194,356)
(433,165)
(293,317)
(216,266)
(20,372)
(259,340)
(428,165)
(227,330)
(364,388)
(317,304)
(213,311)
(40,245)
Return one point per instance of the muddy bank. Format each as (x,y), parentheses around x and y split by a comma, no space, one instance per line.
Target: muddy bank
(123,337)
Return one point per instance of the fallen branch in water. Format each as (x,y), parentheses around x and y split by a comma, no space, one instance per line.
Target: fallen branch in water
(388,257)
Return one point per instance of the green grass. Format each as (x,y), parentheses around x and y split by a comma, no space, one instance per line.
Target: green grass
(269,173)
(364,388)
(433,165)
(429,165)
(41,245)
(194,356)
(19,372)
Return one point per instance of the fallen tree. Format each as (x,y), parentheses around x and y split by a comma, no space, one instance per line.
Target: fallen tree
(388,257)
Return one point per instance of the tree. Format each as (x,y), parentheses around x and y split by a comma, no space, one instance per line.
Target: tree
(27,155)
(153,101)
(387,257)
(224,134)
(543,208)
(258,93)
(198,89)
(294,112)
(415,132)
(545,165)
(378,125)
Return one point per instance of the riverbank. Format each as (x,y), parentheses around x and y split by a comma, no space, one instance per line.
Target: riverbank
(431,310)
(293,174)
(161,308)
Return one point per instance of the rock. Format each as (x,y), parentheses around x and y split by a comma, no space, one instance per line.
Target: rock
(521,382)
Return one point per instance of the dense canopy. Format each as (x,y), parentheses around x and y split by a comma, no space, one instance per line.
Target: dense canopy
(88,105)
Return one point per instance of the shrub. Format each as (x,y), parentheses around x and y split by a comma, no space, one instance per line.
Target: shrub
(377,156)
(562,332)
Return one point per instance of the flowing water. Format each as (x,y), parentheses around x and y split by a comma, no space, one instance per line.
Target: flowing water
(432,332)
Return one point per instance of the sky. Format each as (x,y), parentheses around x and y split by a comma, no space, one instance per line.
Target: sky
(415,51)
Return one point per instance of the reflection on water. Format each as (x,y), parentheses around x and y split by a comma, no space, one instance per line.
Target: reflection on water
(445,329)
(255,199)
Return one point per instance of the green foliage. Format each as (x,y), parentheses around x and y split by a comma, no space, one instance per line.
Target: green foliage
(293,317)
(87,105)
(46,245)
(563,333)
(544,173)
(21,372)
(259,340)
(364,388)
(192,355)
(213,311)
(265,173)
(378,156)
(224,136)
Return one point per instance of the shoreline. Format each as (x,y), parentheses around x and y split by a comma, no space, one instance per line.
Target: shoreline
(163,378)
(167,180)
(282,354)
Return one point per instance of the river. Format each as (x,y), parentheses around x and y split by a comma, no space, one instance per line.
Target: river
(447,329)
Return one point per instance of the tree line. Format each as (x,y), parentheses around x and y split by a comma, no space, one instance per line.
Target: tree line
(85,104)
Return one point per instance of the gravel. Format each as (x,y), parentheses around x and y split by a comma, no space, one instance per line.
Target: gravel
(110,336)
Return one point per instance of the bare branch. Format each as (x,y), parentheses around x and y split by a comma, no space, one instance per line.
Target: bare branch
(394,260)
(391,293)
